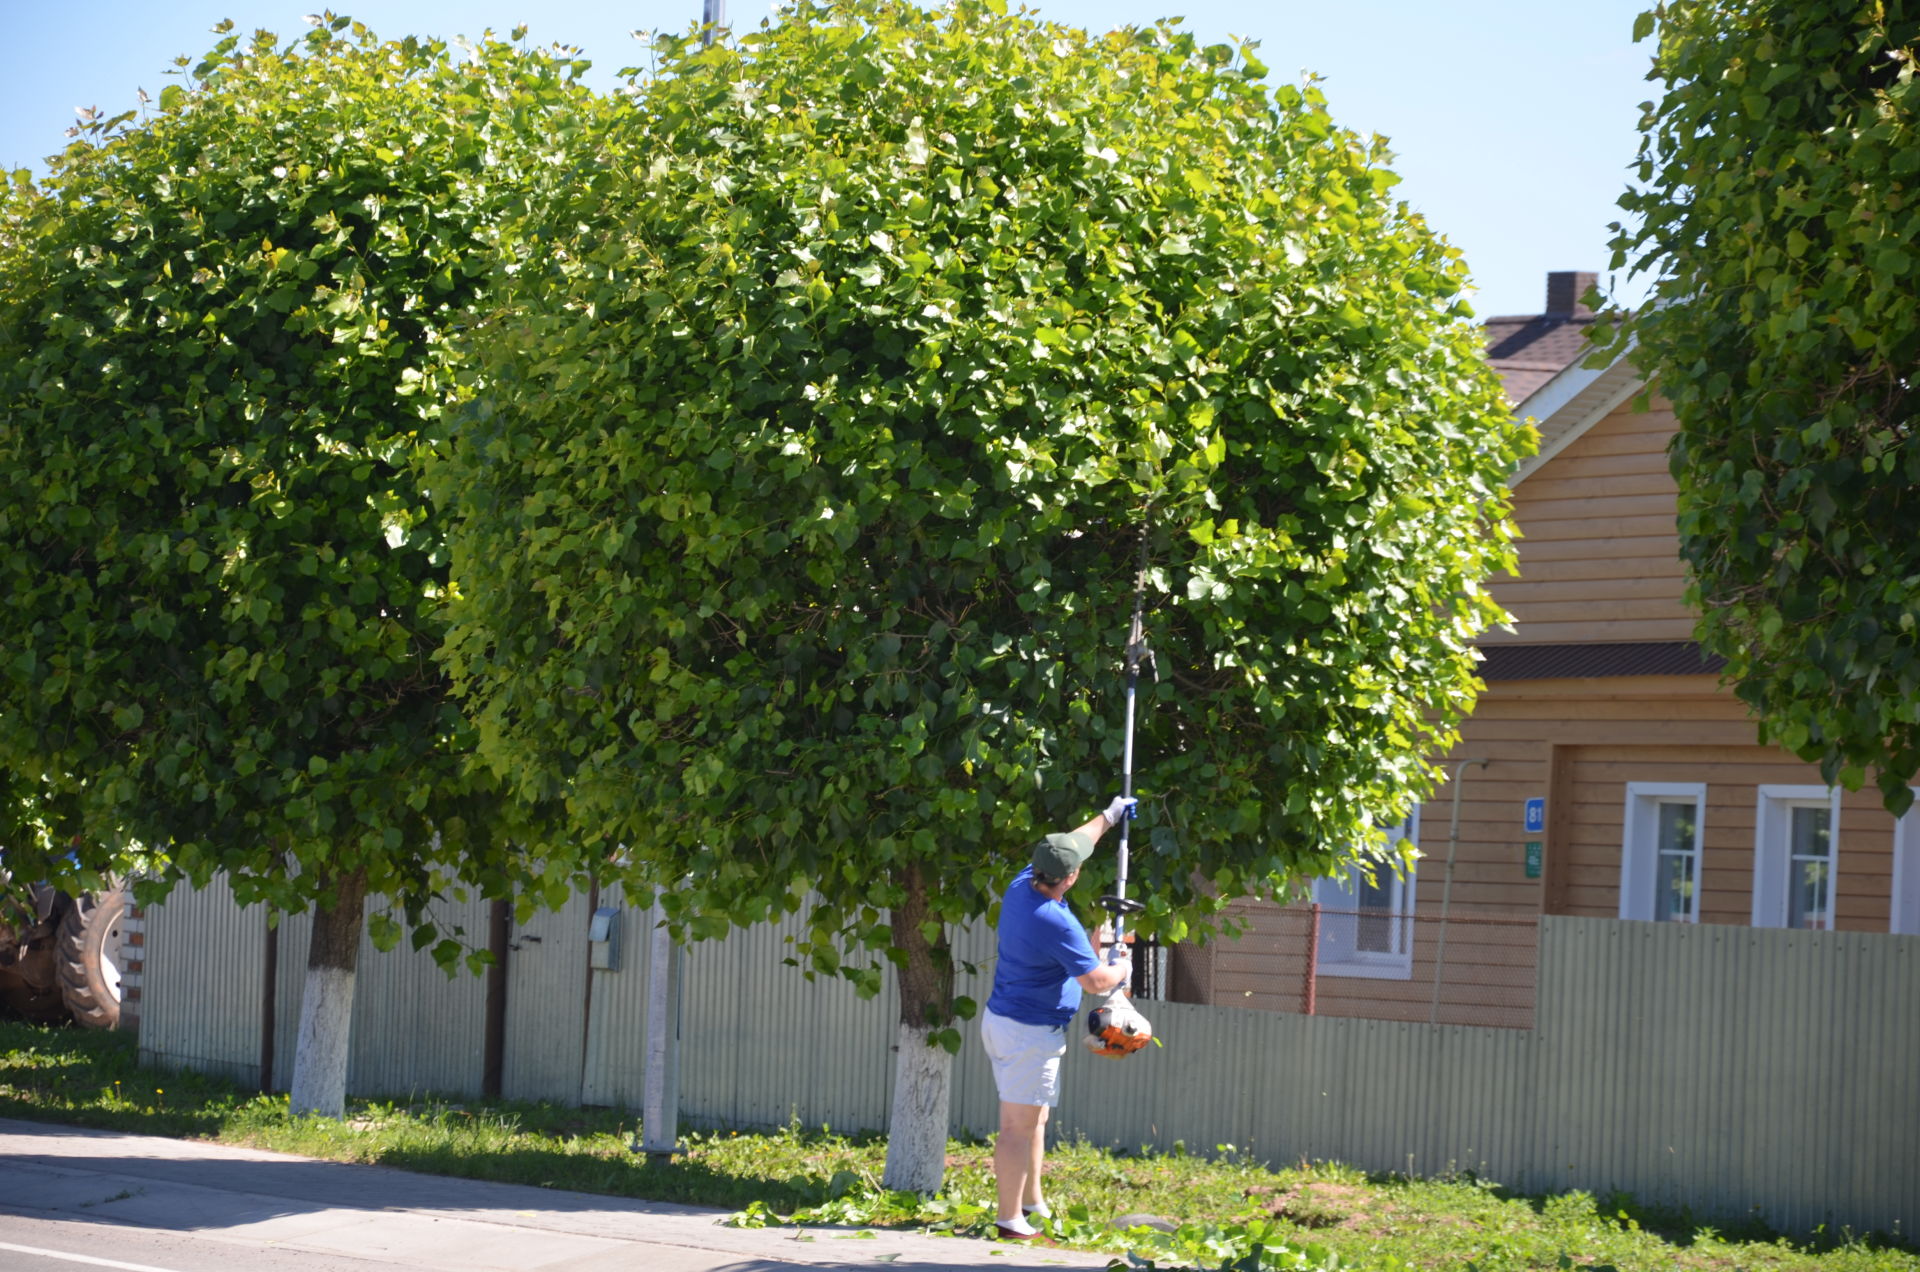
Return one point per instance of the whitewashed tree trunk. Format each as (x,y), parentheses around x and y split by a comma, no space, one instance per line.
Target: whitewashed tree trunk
(320,1055)
(326,1005)
(917,1126)
(922,1069)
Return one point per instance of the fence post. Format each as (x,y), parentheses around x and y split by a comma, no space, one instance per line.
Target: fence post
(493,1038)
(1313,955)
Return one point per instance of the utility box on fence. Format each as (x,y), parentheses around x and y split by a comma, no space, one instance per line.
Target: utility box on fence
(603,939)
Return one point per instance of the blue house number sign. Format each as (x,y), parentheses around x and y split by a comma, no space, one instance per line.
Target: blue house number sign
(1536,815)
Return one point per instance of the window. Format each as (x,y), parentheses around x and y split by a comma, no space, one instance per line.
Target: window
(1905,919)
(1366,923)
(1660,851)
(1795,853)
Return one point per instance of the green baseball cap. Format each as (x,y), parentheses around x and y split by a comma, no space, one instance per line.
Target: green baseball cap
(1058,856)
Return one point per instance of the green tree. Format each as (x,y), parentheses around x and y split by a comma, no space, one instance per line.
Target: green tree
(794,530)
(223,330)
(1777,211)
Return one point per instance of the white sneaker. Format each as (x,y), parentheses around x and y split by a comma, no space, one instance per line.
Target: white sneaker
(1016,1229)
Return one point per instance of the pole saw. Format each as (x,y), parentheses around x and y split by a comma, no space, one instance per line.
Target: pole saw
(1114,1027)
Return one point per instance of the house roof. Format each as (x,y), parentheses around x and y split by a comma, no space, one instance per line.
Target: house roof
(1540,359)
(1528,350)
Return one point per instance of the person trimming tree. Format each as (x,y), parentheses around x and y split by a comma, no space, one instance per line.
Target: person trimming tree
(1045,960)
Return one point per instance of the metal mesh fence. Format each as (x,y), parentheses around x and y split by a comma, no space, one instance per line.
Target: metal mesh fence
(1369,965)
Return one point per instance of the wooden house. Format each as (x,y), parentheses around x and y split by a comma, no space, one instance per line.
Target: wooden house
(1605,771)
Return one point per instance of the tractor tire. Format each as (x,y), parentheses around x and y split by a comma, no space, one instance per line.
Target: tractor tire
(88,957)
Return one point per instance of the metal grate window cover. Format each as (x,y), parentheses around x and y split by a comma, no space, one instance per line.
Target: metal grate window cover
(1150,972)
(1374,965)
(1578,661)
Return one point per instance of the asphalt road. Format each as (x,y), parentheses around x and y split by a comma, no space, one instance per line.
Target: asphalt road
(59,1245)
(74,1199)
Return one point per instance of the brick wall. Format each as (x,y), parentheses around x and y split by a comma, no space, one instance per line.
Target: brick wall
(133,960)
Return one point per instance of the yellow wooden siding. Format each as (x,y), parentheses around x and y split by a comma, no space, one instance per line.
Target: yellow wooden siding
(1599,556)
(1602,733)
(1609,732)
(1732,776)
(1488,978)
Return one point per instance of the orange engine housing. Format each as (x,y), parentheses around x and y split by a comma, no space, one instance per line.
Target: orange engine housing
(1116,1028)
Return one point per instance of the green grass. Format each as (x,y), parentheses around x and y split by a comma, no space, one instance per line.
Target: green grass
(1341,1217)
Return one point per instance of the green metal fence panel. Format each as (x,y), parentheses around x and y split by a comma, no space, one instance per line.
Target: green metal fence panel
(764,1046)
(616,1074)
(417,1032)
(546,1033)
(200,987)
(292,933)
(1732,1071)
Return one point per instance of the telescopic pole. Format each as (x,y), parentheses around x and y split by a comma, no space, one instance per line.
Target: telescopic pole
(1136,650)
(1114,1028)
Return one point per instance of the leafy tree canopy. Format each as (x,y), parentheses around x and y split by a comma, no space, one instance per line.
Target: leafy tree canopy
(1777,208)
(223,328)
(795,526)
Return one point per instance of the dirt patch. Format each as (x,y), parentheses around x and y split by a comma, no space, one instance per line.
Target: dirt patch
(1350,1208)
(1317,1205)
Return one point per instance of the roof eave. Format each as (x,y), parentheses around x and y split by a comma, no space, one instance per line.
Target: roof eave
(1572,402)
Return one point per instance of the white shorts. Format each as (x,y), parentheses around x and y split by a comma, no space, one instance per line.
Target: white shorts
(1026,1059)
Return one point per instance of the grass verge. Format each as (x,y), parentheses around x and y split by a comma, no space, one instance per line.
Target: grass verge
(1315,1216)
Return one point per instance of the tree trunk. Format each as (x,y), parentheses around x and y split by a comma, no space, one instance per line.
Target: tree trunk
(326,1006)
(923,1069)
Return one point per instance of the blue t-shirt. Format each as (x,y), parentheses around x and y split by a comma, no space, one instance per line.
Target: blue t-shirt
(1042,950)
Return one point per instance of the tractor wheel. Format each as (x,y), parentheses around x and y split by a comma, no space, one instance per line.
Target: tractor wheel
(88,956)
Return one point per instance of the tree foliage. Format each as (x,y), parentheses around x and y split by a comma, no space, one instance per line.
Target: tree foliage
(223,329)
(795,522)
(1777,208)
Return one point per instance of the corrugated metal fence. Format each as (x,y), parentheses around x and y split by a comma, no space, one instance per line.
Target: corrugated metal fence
(1731,1070)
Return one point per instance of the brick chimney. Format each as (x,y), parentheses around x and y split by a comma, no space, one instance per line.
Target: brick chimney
(1564,290)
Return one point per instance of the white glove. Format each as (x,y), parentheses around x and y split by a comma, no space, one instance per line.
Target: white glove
(1126,973)
(1122,807)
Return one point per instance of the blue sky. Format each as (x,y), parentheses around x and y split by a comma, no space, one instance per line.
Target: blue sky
(1512,121)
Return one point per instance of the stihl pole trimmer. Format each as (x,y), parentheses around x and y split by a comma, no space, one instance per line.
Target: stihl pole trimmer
(1114,1027)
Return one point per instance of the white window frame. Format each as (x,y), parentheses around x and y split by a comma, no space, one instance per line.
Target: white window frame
(1772,850)
(1640,844)
(1904,918)
(1342,894)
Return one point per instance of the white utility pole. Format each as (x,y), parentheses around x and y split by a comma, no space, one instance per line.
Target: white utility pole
(660,1102)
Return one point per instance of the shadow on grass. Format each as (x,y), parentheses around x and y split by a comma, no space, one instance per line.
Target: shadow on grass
(1680,1227)
(680,1181)
(93,1079)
